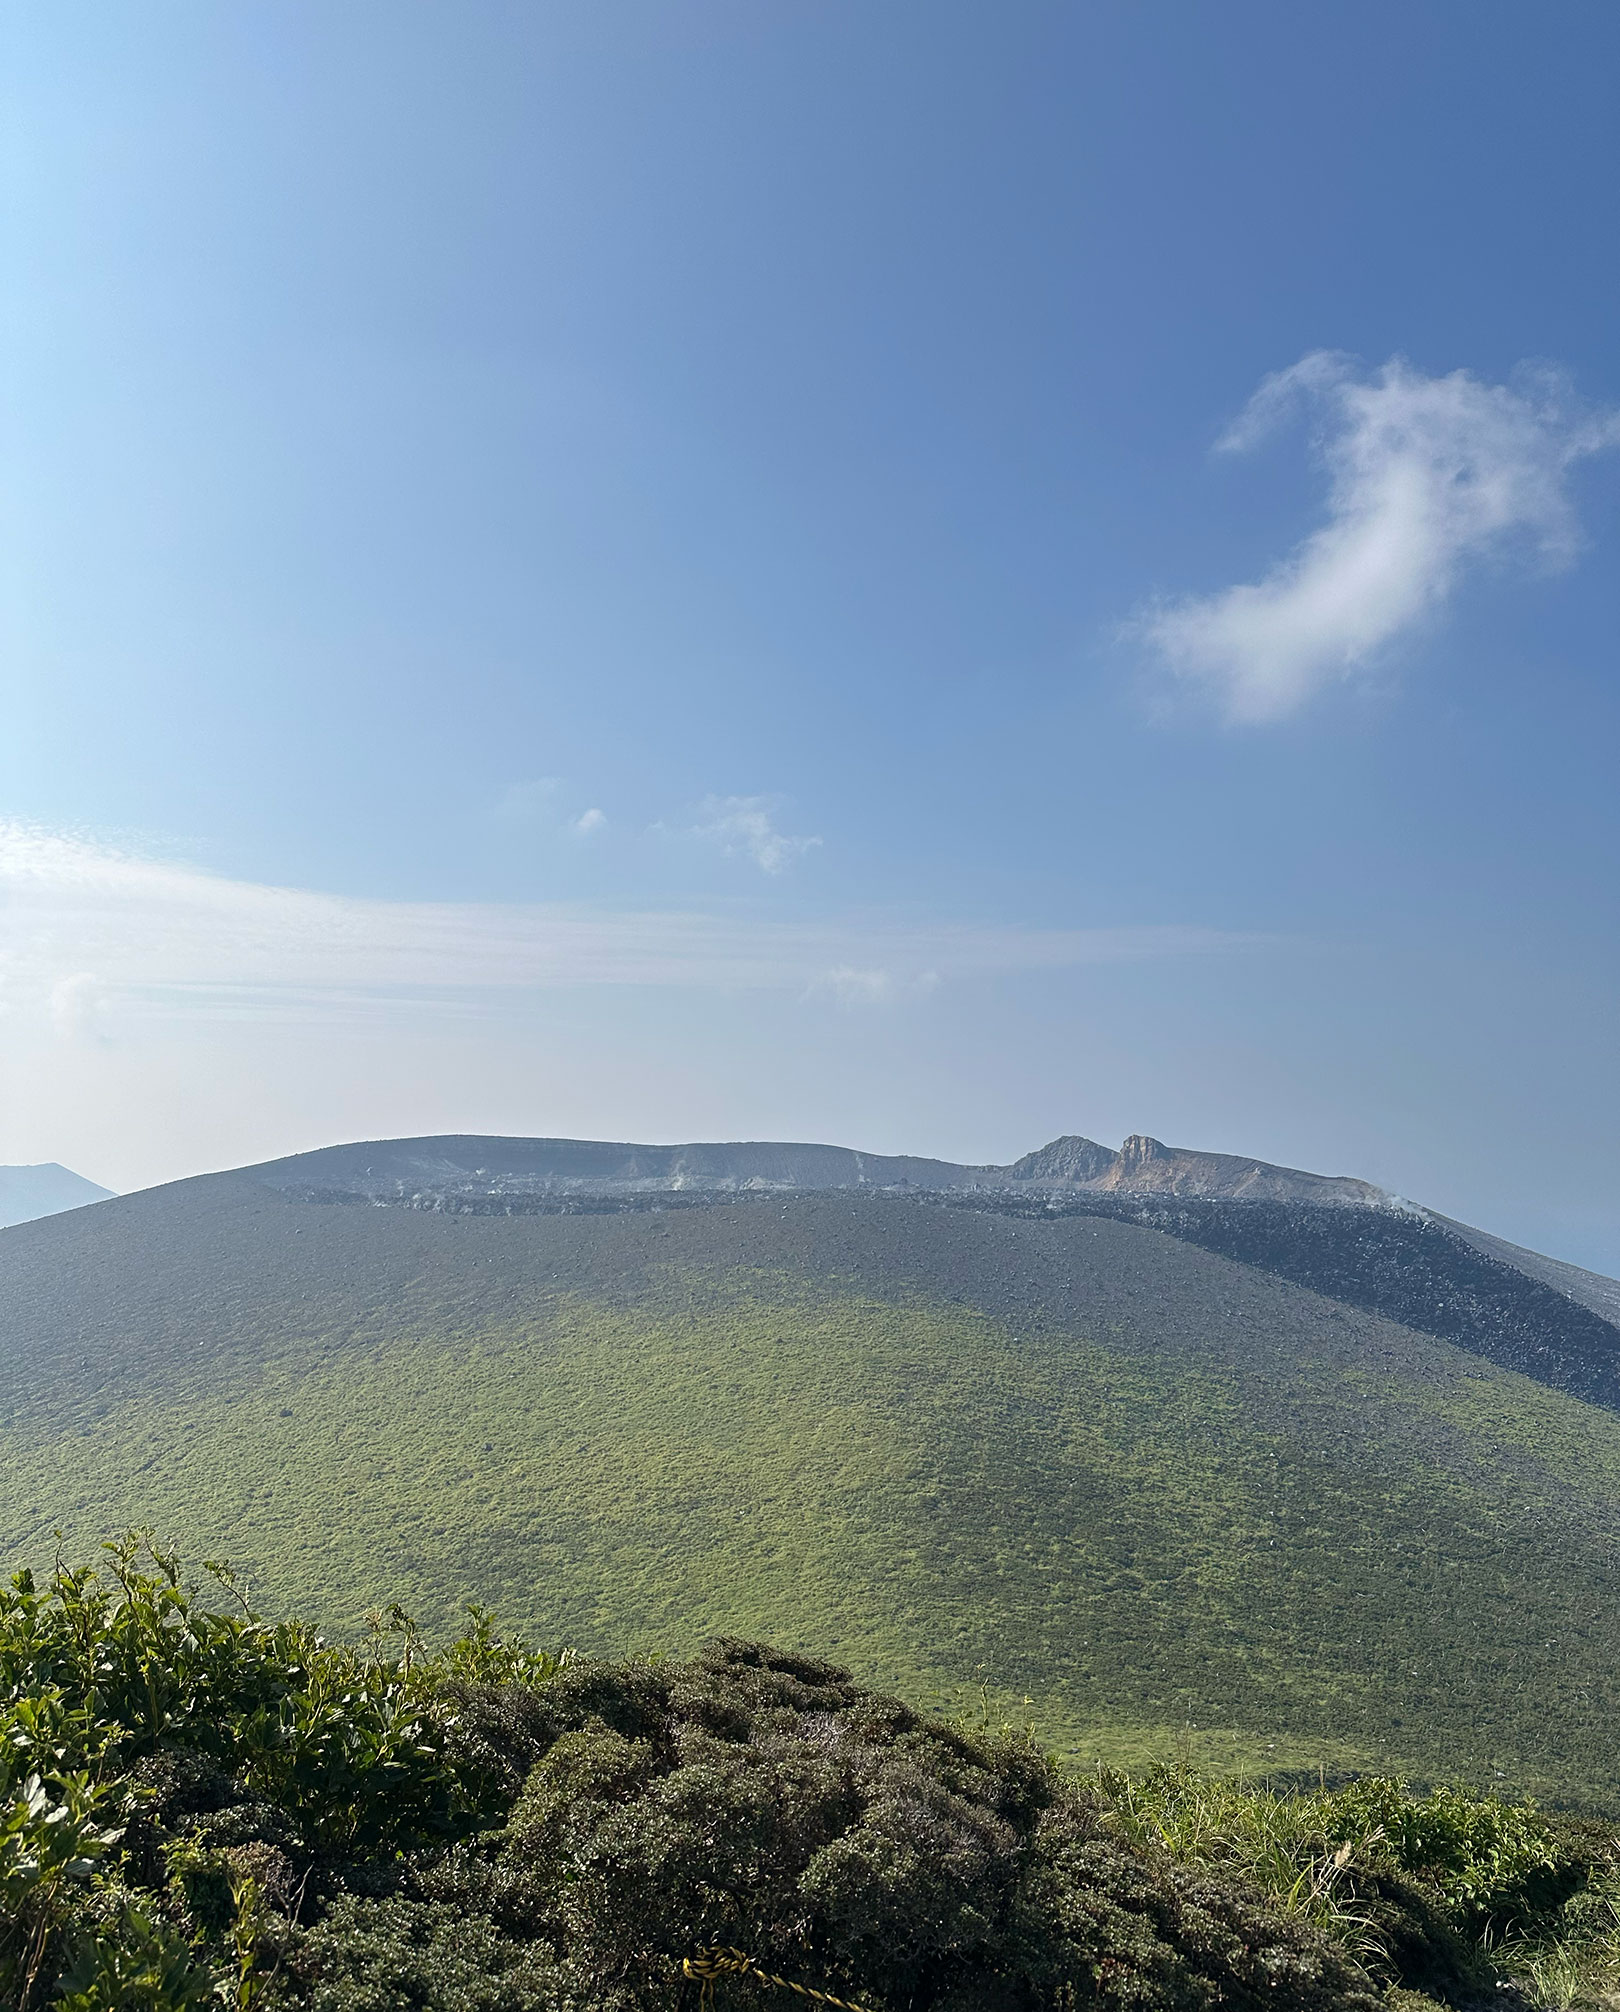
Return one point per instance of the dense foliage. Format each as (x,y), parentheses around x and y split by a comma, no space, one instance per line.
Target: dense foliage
(200,1807)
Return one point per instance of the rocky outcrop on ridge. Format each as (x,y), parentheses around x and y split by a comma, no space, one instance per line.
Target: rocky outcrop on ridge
(1145,1166)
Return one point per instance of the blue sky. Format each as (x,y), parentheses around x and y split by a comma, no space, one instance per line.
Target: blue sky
(710,569)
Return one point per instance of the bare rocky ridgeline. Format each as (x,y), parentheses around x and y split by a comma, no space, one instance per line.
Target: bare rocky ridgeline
(394,1168)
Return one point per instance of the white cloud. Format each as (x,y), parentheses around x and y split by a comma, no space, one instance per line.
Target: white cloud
(167,939)
(540,801)
(743,824)
(1427,475)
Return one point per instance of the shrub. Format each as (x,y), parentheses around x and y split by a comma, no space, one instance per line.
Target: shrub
(762,1800)
(197,1806)
(1500,1866)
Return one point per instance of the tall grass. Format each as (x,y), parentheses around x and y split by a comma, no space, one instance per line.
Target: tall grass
(1523,1896)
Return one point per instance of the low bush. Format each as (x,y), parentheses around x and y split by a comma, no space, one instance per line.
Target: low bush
(200,1807)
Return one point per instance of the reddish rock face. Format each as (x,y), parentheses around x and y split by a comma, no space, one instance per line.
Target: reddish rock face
(1138,1149)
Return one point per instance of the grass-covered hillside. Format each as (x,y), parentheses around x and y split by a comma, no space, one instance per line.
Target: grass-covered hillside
(199,1808)
(1184,1506)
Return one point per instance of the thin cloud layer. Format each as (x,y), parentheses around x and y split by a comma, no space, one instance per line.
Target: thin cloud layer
(95,935)
(852,987)
(743,824)
(1428,476)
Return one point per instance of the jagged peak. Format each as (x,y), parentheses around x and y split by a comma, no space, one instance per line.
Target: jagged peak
(1145,1165)
(1070,1158)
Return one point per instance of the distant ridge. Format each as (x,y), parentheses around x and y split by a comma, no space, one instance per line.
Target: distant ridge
(390,1169)
(27,1193)
(385,1167)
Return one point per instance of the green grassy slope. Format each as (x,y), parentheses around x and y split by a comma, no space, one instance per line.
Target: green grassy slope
(1145,1485)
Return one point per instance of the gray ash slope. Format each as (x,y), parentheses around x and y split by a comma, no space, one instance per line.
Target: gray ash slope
(102,1298)
(1339,1237)
(211,1276)
(1404,1264)
(1590,1289)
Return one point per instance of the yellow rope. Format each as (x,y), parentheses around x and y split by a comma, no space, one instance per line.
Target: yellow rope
(709,1964)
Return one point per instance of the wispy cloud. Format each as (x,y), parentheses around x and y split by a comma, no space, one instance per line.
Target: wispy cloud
(94,935)
(587,823)
(743,824)
(851,986)
(1427,476)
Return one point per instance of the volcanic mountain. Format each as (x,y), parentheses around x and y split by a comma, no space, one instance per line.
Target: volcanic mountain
(29,1192)
(1192,1451)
